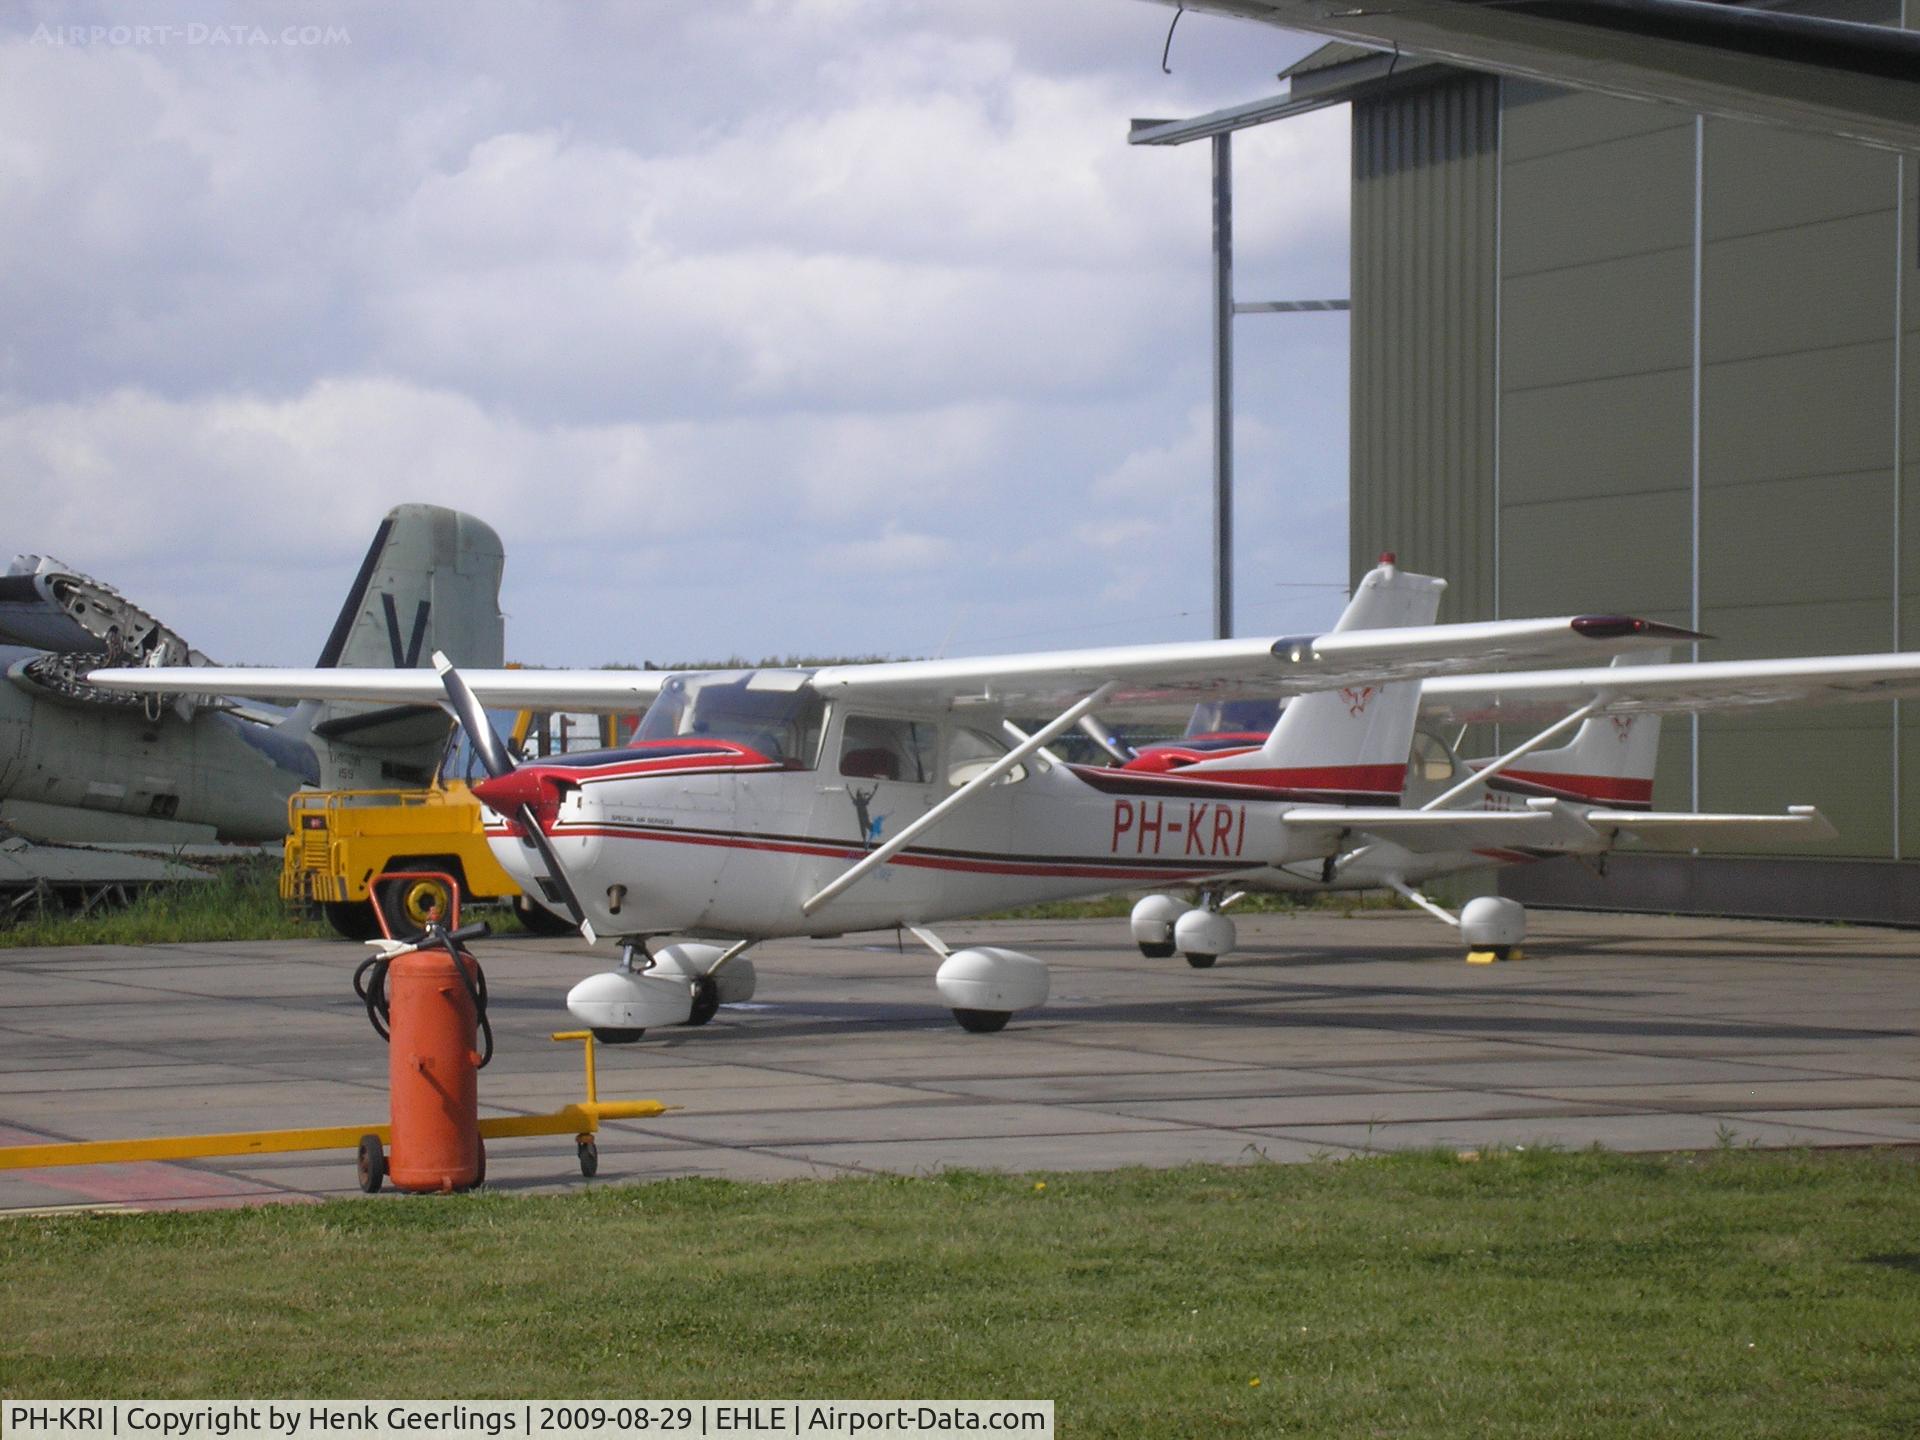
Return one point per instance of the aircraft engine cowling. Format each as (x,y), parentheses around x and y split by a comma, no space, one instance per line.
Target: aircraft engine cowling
(1152,924)
(622,1000)
(987,978)
(735,982)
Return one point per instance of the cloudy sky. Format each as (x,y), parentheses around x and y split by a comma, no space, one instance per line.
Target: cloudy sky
(753,326)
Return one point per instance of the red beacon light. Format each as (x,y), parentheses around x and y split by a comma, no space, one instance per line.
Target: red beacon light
(1387,557)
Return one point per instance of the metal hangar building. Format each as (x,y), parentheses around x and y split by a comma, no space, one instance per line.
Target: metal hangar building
(1608,354)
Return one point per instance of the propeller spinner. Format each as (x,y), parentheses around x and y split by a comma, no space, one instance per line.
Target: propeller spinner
(498,789)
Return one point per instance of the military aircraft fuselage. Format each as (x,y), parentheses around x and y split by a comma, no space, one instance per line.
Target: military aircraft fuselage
(75,771)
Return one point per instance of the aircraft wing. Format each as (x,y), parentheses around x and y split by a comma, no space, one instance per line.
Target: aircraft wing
(583,690)
(1146,674)
(1545,825)
(1801,822)
(1530,697)
(1218,669)
(1548,825)
(1835,77)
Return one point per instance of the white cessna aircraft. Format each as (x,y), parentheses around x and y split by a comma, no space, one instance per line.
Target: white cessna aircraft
(1530,803)
(782,802)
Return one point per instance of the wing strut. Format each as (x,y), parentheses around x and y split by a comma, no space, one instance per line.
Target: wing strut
(1488,771)
(870,862)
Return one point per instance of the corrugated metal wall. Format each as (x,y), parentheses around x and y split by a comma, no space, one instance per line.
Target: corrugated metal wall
(1425,192)
(1606,356)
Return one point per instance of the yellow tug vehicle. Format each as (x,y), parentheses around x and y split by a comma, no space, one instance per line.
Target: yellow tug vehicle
(339,841)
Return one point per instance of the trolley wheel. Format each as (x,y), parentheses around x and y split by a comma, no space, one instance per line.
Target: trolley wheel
(706,1000)
(589,1153)
(372,1164)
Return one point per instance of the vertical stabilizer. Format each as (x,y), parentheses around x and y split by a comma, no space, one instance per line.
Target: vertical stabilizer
(1346,746)
(1609,761)
(430,581)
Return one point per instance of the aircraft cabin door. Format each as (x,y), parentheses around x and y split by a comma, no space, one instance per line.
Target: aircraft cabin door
(876,776)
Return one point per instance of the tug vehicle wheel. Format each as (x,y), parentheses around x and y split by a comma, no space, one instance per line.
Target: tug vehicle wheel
(410,903)
(351,919)
(538,920)
(371,1164)
(982,1022)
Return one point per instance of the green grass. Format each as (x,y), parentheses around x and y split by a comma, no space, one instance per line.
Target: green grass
(1737,1293)
(241,902)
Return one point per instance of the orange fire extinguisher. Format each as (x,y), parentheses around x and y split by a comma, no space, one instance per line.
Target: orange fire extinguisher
(428,1001)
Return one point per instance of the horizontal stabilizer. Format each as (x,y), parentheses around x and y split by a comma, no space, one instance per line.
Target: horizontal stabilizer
(1801,822)
(1543,825)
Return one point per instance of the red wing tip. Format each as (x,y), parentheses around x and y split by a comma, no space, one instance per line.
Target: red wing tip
(1616,627)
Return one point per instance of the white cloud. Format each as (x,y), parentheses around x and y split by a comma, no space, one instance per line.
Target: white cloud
(700,306)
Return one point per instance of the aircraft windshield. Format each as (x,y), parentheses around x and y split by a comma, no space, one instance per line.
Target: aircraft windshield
(1233,717)
(774,712)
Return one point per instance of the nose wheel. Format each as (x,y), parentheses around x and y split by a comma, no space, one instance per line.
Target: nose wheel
(706,1000)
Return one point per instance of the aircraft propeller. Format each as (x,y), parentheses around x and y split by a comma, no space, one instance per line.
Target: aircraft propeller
(497,760)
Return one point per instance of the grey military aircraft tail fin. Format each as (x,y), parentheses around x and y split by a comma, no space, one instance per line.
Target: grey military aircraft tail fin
(430,581)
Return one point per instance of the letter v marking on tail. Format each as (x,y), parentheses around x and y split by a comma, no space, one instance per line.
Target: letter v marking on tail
(411,657)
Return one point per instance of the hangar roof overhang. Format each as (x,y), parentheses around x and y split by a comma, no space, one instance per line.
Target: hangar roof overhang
(1834,77)
(1332,75)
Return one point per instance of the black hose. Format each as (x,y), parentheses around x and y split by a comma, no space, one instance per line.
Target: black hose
(370,982)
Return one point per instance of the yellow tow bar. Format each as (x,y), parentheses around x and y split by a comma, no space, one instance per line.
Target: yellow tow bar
(581,1121)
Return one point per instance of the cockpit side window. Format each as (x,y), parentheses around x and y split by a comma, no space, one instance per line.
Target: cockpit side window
(970,752)
(877,748)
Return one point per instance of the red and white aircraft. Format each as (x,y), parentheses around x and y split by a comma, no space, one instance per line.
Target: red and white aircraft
(1532,803)
(782,802)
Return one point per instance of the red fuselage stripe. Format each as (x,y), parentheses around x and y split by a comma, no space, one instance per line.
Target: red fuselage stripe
(1038,869)
(1610,789)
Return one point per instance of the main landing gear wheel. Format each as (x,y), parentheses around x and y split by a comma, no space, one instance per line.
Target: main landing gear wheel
(607,1036)
(1157,952)
(706,1000)
(1198,962)
(371,1164)
(589,1155)
(982,1022)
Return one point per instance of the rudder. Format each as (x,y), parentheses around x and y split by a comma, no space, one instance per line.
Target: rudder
(1346,746)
